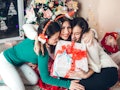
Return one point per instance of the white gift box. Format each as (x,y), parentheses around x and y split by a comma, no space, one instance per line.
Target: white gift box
(69,56)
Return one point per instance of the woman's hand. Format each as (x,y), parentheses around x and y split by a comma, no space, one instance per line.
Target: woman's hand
(33,66)
(38,47)
(81,74)
(76,86)
(88,37)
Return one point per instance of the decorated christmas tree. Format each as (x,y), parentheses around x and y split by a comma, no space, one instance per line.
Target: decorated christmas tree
(12,10)
(40,10)
(3,26)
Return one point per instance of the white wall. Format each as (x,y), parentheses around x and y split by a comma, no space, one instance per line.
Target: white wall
(103,15)
(108,15)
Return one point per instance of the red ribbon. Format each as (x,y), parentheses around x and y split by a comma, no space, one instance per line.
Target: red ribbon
(77,54)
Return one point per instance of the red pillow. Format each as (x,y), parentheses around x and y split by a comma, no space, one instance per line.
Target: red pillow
(108,48)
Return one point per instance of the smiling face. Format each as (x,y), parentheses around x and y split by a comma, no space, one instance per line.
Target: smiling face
(76,33)
(54,39)
(79,27)
(65,30)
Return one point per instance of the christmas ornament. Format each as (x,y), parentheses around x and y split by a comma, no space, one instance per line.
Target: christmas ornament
(41,10)
(3,26)
(12,10)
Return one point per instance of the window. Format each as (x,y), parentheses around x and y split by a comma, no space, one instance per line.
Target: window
(11,20)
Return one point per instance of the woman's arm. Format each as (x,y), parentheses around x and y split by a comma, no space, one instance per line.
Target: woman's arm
(94,33)
(30,31)
(94,56)
(88,74)
(46,78)
(81,74)
(38,46)
(90,36)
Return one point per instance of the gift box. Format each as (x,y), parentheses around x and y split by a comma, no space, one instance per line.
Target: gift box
(69,56)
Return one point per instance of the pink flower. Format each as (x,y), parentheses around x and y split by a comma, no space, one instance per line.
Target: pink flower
(29,12)
(47,14)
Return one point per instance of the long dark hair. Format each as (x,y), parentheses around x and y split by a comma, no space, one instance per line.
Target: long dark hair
(82,23)
(61,21)
(52,28)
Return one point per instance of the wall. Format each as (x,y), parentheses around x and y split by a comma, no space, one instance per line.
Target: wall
(103,15)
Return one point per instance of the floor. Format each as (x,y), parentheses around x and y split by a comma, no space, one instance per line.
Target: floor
(27,88)
(115,87)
